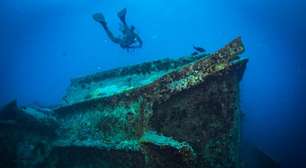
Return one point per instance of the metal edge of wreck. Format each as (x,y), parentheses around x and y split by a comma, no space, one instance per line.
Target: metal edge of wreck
(161,89)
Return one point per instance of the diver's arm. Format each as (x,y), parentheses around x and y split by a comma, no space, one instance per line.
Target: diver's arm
(139,45)
(139,41)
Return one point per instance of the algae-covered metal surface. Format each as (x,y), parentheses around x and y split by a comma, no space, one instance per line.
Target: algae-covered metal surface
(180,113)
(109,83)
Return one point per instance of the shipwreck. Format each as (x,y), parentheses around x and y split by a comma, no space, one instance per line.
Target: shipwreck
(171,113)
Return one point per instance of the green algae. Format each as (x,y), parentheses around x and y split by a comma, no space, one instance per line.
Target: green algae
(161,140)
(153,137)
(103,125)
(112,86)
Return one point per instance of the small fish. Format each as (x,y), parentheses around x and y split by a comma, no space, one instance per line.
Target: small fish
(199,49)
(194,53)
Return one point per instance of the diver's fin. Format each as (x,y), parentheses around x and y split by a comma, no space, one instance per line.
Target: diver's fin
(99,17)
(122,13)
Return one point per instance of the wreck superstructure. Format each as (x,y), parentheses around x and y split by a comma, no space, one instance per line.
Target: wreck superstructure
(181,113)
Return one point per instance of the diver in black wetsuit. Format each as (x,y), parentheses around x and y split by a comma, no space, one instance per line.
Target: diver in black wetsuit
(130,38)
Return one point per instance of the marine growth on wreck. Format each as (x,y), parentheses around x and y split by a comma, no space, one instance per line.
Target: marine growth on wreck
(171,113)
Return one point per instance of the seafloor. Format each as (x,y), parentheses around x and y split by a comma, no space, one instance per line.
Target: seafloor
(181,113)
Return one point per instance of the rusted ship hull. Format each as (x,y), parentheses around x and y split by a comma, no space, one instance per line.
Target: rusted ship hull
(180,113)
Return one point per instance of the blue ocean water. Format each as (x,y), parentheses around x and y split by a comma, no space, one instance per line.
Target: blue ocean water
(46,43)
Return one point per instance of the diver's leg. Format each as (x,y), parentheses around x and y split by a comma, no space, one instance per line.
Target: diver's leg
(111,35)
(100,18)
(122,16)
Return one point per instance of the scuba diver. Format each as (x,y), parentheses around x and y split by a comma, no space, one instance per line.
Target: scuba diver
(129,40)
